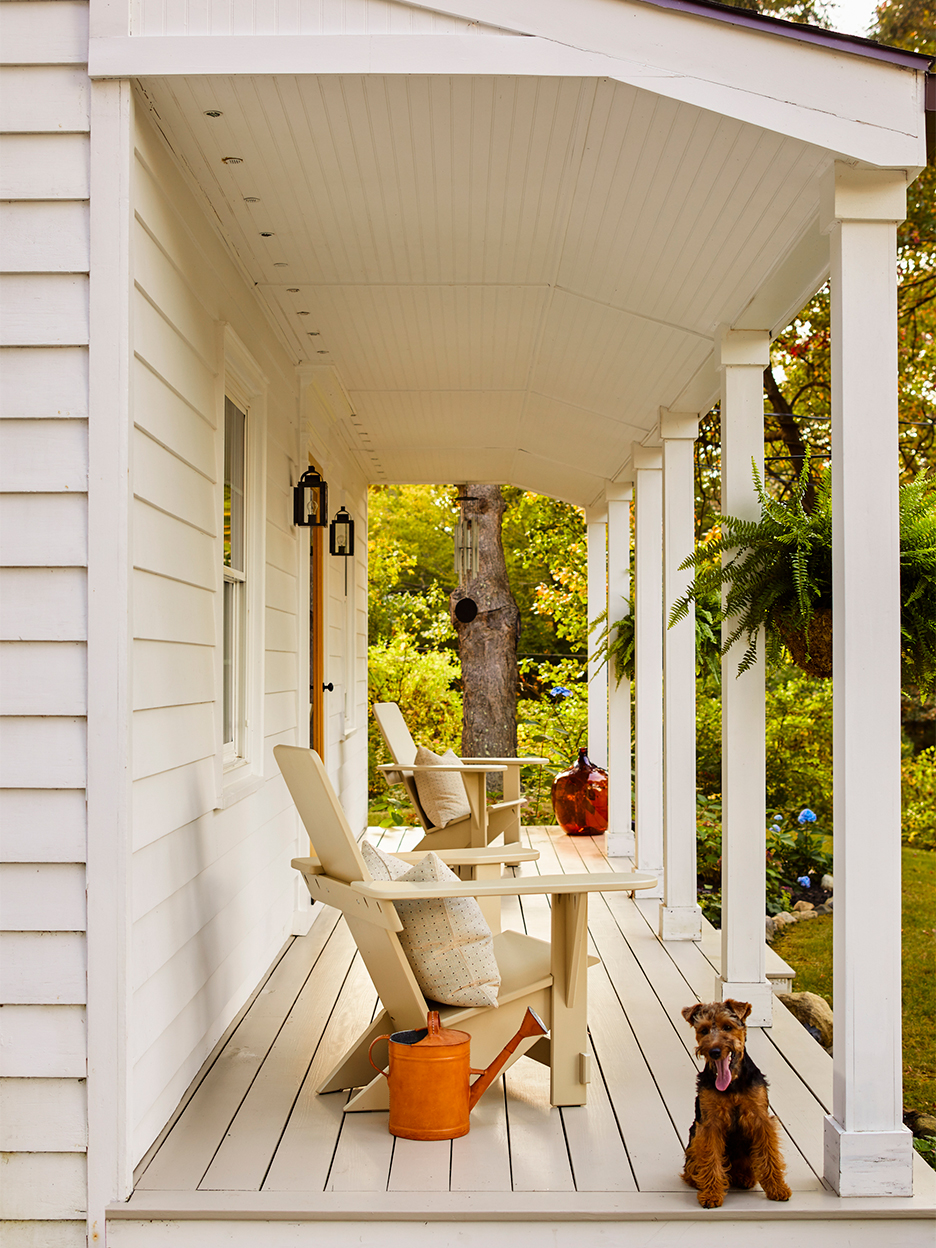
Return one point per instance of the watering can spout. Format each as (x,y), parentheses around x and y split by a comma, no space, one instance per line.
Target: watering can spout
(532,1025)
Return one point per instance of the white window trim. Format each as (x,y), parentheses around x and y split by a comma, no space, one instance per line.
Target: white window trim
(245,383)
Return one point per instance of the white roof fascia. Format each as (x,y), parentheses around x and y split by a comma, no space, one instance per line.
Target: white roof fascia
(856,108)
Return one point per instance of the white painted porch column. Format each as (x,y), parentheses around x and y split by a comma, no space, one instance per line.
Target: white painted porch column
(648,674)
(744,354)
(620,839)
(680,916)
(596,525)
(868,1151)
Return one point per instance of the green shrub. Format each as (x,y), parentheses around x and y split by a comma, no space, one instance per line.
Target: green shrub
(919,799)
(551,723)
(421,682)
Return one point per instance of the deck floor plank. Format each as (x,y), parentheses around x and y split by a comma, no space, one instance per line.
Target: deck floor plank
(654,1147)
(481,1159)
(420,1166)
(305,1151)
(187,1151)
(599,1158)
(537,1141)
(245,1153)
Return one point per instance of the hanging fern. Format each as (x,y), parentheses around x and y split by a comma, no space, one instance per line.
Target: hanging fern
(777,573)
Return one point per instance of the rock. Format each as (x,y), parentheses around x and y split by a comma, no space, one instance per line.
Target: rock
(802,906)
(812,1011)
(825,908)
(826,883)
(922,1125)
(783,918)
(771,926)
(807,914)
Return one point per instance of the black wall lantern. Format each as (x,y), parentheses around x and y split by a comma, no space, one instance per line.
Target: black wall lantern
(310,500)
(341,534)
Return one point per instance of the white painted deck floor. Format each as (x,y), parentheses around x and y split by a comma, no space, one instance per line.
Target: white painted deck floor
(253,1140)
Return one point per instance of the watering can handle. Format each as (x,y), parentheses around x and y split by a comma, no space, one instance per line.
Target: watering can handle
(376,1040)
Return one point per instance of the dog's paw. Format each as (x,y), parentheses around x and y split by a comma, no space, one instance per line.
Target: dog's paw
(780,1192)
(711,1200)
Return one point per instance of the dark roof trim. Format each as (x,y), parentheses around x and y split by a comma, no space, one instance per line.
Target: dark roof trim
(796,30)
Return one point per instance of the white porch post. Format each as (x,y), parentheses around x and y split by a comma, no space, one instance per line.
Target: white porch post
(868,1151)
(596,524)
(680,916)
(620,841)
(744,356)
(648,674)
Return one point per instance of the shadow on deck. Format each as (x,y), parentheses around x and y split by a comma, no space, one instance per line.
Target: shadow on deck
(253,1142)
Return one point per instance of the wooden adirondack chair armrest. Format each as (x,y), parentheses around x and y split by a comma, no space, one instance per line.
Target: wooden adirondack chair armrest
(411,767)
(513,886)
(308,866)
(494,856)
(507,762)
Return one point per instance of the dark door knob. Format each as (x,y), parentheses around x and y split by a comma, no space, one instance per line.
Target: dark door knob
(329,688)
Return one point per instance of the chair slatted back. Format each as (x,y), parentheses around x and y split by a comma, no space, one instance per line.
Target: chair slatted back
(333,842)
(396,735)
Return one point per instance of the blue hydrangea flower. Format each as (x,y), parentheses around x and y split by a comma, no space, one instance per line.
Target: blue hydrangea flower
(803,881)
(778,818)
(560,691)
(806,816)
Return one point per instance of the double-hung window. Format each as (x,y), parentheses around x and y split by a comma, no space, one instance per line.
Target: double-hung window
(235,584)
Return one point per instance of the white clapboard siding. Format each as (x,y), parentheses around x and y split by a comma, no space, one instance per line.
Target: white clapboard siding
(43,309)
(173,296)
(42,1115)
(43,678)
(281,671)
(48,237)
(49,530)
(170,548)
(167,353)
(43,1041)
(44,381)
(280,712)
(168,675)
(40,753)
(172,799)
(43,455)
(44,32)
(49,166)
(165,610)
(43,1185)
(281,631)
(40,99)
(172,736)
(168,419)
(42,897)
(164,929)
(282,548)
(281,589)
(166,482)
(42,968)
(44,604)
(43,825)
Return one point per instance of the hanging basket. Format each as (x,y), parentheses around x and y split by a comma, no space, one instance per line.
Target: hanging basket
(812,654)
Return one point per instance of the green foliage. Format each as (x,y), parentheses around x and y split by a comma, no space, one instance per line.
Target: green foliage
(421,682)
(919,799)
(545,549)
(553,726)
(780,572)
(618,643)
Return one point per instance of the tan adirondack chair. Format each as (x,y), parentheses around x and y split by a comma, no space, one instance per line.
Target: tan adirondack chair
(486,822)
(547,976)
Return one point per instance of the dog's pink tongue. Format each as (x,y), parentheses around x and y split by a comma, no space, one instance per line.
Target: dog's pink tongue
(723,1077)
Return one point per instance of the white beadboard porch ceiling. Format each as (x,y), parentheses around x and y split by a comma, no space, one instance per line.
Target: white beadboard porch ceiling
(510,276)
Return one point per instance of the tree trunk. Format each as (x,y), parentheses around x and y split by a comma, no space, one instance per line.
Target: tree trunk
(790,431)
(487,645)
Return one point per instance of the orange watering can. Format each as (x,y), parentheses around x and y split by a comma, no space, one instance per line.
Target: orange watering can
(431,1094)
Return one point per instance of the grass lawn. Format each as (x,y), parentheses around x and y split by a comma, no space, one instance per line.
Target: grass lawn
(808,949)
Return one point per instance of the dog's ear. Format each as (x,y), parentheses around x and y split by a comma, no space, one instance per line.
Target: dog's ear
(740,1008)
(689,1013)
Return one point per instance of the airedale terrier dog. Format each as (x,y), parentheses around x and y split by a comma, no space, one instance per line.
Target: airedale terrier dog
(733,1141)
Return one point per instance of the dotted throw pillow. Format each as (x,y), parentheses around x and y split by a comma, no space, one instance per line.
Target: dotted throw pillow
(446,940)
(442,795)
